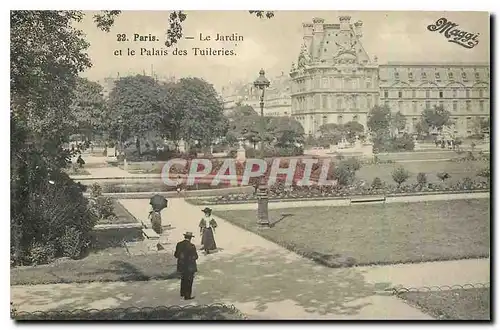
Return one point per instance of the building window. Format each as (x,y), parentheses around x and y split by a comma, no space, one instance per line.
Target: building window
(340,119)
(368,84)
(481,93)
(396,75)
(339,102)
(467,105)
(386,94)
(386,104)
(476,74)
(400,106)
(414,93)
(325,120)
(400,94)
(369,102)
(438,77)
(355,118)
(427,104)
(441,94)
(450,75)
(324,101)
(427,94)
(414,106)
(424,75)
(325,83)
(410,75)
(467,93)
(441,104)
(454,93)
(455,105)
(355,102)
(481,105)
(464,76)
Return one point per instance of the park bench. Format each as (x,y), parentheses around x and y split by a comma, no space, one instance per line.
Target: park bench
(150,233)
(367,199)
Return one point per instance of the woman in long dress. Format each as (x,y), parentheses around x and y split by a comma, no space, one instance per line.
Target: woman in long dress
(207,231)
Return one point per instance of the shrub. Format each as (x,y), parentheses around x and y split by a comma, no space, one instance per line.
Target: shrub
(421,179)
(41,253)
(377,183)
(443,176)
(41,214)
(467,183)
(343,175)
(72,244)
(95,190)
(485,172)
(400,175)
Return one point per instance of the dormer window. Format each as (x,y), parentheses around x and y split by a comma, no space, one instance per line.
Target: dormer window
(424,75)
(450,75)
(438,76)
(477,75)
(410,75)
(464,76)
(396,75)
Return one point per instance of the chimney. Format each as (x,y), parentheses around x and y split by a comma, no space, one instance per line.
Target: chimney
(358,29)
(345,23)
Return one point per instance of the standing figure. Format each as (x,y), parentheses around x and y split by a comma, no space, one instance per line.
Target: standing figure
(80,161)
(207,231)
(186,255)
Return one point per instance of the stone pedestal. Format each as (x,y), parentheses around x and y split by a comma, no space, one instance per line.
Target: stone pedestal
(262,207)
(241,155)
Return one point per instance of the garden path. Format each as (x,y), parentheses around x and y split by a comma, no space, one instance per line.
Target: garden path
(260,278)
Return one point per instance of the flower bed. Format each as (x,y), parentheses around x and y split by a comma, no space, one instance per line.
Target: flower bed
(330,192)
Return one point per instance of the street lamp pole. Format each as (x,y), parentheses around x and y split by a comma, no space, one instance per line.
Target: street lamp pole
(262,83)
(262,192)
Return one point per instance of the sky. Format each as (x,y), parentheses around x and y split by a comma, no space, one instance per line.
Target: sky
(271,44)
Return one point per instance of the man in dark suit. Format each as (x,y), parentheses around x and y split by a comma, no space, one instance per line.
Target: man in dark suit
(186,255)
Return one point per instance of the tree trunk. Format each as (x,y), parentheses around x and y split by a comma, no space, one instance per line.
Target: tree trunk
(138,145)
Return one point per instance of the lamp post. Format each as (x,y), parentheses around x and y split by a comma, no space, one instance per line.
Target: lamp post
(262,192)
(261,83)
(120,122)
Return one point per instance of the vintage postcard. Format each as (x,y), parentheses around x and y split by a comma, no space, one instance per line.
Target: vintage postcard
(250,165)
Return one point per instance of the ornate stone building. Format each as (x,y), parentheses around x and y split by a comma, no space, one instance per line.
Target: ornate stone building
(334,81)
(461,88)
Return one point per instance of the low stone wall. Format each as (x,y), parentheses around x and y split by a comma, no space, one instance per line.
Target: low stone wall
(184,194)
(114,235)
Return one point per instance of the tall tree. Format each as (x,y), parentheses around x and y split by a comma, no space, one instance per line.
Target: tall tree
(134,104)
(46,55)
(379,120)
(88,108)
(203,112)
(434,118)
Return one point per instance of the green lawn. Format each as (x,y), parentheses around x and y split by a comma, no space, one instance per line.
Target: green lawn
(457,171)
(380,233)
(113,264)
(459,304)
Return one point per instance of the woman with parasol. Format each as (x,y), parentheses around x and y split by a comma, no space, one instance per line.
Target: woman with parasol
(207,230)
(157,203)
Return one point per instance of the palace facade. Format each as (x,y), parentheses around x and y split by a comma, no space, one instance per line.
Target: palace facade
(336,81)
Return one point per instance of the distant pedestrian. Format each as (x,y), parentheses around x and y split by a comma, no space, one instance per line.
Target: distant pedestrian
(207,231)
(179,184)
(186,255)
(80,161)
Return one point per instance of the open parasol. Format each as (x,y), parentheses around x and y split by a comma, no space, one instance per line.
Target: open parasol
(158,203)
